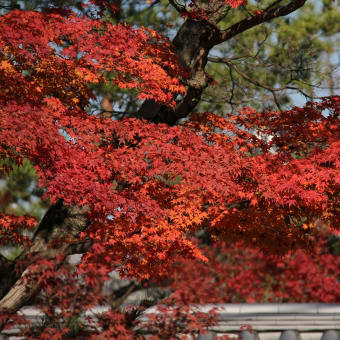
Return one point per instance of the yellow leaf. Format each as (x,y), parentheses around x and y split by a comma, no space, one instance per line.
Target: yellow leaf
(5,65)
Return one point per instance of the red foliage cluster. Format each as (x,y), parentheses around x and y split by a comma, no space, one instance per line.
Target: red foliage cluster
(236,3)
(260,177)
(158,182)
(196,12)
(230,276)
(11,228)
(234,270)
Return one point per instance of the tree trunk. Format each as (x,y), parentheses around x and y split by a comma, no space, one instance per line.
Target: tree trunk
(192,45)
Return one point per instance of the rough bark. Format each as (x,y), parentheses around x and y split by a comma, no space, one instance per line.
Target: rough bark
(192,44)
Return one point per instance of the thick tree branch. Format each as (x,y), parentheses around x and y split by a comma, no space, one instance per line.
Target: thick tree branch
(56,235)
(22,291)
(268,14)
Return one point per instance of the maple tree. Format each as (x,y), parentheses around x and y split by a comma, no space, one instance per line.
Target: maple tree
(132,193)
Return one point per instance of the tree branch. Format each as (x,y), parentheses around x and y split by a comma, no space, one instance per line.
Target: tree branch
(56,235)
(268,14)
(245,76)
